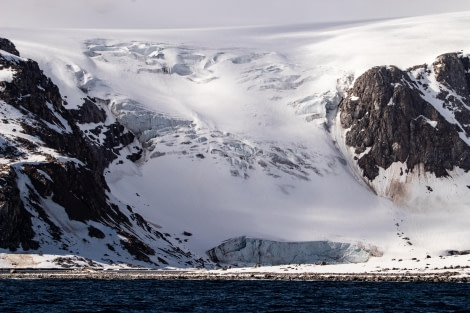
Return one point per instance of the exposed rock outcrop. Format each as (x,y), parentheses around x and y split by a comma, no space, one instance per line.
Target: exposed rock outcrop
(418,117)
(15,221)
(8,46)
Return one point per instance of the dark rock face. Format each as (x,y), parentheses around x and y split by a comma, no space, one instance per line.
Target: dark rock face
(89,112)
(8,46)
(46,119)
(52,165)
(397,116)
(15,221)
(67,182)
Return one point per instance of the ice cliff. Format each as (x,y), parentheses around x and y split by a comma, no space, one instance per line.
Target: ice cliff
(267,252)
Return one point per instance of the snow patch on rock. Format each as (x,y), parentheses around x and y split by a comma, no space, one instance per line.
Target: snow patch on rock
(6,75)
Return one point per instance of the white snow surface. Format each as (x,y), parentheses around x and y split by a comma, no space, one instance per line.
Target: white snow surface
(238,96)
(6,75)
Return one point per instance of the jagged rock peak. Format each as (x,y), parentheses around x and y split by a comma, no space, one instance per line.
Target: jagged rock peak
(419,116)
(8,46)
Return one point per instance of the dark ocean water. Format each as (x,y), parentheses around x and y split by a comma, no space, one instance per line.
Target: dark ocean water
(229,296)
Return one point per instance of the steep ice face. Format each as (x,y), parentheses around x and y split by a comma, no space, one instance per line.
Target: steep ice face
(249,251)
(144,123)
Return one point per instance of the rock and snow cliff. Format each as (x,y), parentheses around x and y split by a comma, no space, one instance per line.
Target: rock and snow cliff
(408,131)
(54,198)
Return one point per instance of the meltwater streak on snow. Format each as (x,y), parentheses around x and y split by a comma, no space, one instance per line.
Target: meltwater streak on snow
(200,195)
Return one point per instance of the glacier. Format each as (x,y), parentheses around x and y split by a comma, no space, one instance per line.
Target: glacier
(239,135)
(249,251)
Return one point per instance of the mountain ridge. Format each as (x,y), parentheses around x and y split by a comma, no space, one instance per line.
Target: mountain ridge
(50,165)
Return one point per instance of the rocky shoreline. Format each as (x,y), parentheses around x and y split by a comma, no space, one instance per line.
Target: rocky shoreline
(443,277)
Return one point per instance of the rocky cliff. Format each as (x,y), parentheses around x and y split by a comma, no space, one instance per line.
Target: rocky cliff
(53,195)
(416,121)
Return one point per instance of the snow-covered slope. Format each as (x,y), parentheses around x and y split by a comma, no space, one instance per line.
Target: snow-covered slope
(54,198)
(235,126)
